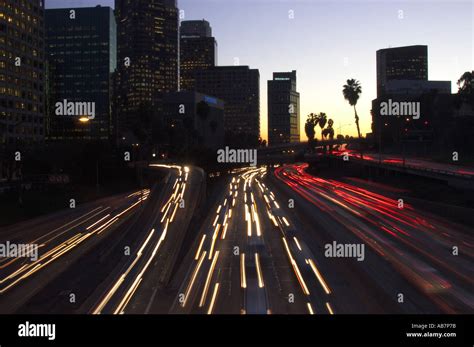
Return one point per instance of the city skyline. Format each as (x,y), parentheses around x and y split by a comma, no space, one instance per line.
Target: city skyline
(450,50)
(252,37)
(133,179)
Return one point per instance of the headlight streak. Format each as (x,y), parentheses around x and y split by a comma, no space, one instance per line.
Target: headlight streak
(243,276)
(261,284)
(64,247)
(208,280)
(412,242)
(169,211)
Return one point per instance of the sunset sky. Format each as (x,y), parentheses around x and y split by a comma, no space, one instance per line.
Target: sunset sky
(325,35)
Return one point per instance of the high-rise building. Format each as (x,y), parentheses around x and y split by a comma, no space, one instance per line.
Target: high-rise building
(239,87)
(195,28)
(81,51)
(182,114)
(147,56)
(403,89)
(22,70)
(198,51)
(401,63)
(283,109)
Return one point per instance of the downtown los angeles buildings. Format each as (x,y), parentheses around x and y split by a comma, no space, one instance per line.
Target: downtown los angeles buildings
(147,58)
(81,55)
(22,81)
(123,61)
(402,79)
(22,72)
(401,63)
(239,87)
(198,51)
(283,109)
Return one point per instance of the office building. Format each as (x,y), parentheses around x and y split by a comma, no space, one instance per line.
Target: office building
(198,51)
(22,72)
(81,54)
(401,63)
(283,109)
(413,107)
(191,125)
(417,87)
(239,88)
(148,57)
(195,28)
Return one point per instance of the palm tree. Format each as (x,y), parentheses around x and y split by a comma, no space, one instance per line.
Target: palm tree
(351,92)
(321,120)
(309,130)
(466,87)
(465,83)
(329,131)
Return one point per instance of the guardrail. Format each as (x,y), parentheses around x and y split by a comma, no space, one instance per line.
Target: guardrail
(408,166)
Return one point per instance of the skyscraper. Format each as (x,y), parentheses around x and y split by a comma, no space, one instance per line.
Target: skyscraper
(148,56)
(401,63)
(402,79)
(22,71)
(198,51)
(195,28)
(239,87)
(81,53)
(283,109)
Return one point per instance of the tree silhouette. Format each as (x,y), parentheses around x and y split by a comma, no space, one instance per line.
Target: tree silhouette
(309,130)
(351,92)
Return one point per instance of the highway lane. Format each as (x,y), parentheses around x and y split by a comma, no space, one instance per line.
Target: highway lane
(134,287)
(417,245)
(57,236)
(246,260)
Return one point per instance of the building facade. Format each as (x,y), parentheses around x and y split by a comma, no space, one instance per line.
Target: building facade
(189,124)
(283,109)
(239,88)
(22,72)
(81,53)
(147,56)
(408,114)
(401,63)
(198,51)
(195,28)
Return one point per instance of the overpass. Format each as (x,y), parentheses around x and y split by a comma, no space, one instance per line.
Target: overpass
(294,147)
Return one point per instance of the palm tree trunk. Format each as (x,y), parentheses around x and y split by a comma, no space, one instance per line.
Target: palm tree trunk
(358,132)
(357,122)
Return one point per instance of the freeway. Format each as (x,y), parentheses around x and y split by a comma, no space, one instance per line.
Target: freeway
(248,259)
(57,236)
(127,244)
(430,254)
(134,288)
(260,248)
